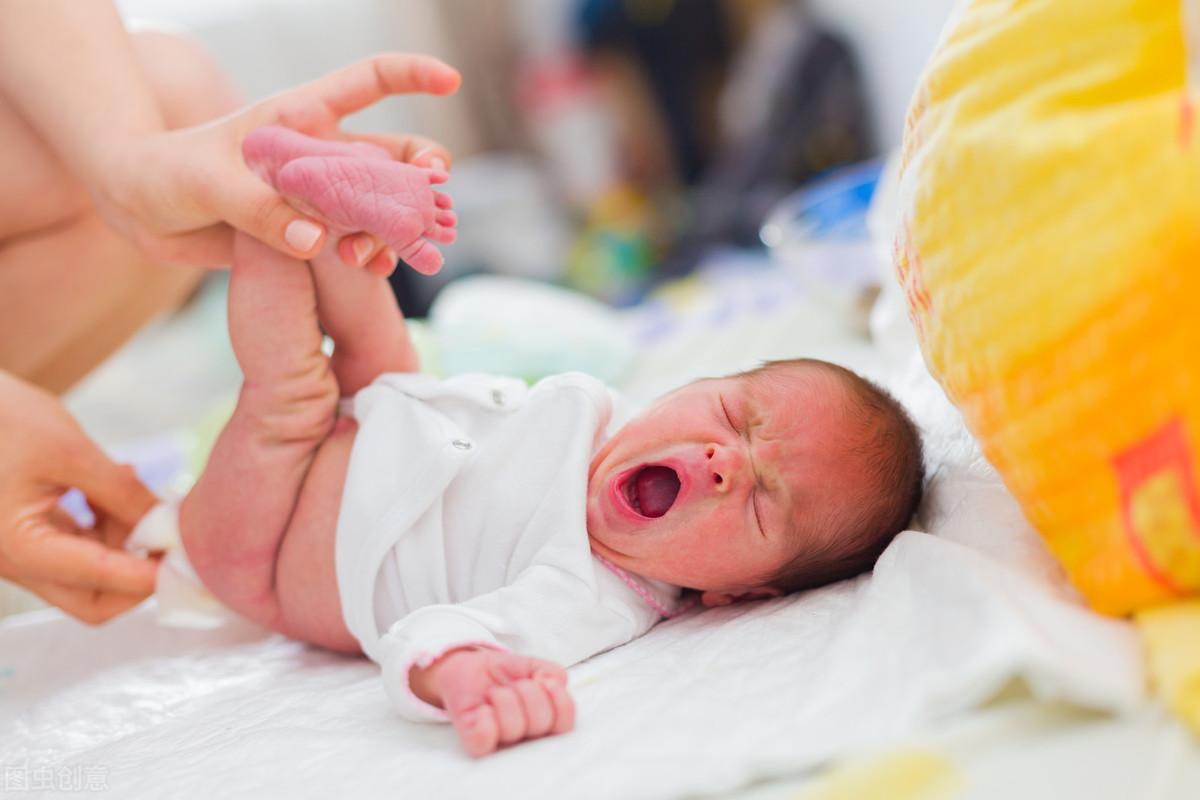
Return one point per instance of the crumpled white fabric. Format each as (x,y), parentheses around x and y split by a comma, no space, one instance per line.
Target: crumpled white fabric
(182,599)
(704,703)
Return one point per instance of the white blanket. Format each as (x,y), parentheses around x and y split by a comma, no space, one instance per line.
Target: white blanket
(704,703)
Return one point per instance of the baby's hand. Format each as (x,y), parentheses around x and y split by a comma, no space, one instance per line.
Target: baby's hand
(496,698)
(358,188)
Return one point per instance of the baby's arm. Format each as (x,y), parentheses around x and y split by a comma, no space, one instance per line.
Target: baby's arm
(496,698)
(463,660)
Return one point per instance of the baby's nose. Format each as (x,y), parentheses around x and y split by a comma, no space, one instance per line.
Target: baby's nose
(724,467)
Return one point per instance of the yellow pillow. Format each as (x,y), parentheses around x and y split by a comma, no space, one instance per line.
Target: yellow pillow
(1050,250)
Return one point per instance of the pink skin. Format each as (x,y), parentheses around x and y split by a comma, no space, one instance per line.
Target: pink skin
(753,456)
(496,698)
(354,187)
(259,525)
(754,459)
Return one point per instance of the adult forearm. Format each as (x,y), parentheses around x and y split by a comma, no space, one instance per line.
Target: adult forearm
(69,68)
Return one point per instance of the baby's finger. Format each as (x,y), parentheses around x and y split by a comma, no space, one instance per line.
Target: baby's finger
(539,710)
(564,707)
(477,730)
(510,715)
(549,672)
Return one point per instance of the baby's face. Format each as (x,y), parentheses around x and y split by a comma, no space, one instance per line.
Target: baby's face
(709,487)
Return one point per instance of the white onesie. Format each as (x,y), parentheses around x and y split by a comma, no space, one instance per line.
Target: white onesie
(463,521)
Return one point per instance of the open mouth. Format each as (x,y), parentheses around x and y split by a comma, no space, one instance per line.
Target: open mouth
(652,490)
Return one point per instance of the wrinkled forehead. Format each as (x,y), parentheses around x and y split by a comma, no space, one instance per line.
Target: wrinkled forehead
(801,418)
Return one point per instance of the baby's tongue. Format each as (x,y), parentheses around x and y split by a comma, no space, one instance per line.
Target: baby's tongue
(655,489)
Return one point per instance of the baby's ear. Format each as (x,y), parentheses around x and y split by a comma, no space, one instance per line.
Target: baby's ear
(714,599)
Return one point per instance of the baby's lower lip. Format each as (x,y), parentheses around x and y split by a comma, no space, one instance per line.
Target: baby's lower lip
(620,500)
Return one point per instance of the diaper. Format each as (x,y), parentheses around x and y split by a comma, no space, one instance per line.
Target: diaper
(183,601)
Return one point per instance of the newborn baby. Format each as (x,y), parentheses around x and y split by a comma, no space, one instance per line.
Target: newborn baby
(476,535)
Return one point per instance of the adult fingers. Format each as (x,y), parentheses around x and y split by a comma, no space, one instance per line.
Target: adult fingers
(86,605)
(384,263)
(80,562)
(369,81)
(113,488)
(209,248)
(417,150)
(252,206)
(359,249)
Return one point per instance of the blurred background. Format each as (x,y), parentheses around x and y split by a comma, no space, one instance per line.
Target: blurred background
(607,145)
(648,190)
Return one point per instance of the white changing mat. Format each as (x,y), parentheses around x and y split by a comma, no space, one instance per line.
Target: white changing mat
(704,703)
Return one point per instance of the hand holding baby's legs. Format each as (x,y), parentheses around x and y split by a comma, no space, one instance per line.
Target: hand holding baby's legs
(357,187)
(496,698)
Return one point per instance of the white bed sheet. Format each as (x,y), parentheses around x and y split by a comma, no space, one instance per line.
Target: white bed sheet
(707,703)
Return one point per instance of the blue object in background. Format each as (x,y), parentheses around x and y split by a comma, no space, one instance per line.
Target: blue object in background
(831,207)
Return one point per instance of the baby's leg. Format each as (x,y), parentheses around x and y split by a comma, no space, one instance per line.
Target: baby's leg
(352,188)
(235,518)
(259,525)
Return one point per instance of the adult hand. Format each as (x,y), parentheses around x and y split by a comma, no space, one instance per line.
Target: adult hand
(496,698)
(83,571)
(180,195)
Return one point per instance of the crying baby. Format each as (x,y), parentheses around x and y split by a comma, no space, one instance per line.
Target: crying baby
(475,535)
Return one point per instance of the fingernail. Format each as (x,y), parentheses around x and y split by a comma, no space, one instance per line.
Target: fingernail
(438,163)
(362,248)
(302,234)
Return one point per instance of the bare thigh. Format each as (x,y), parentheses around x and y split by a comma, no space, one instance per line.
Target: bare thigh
(71,290)
(69,298)
(306,577)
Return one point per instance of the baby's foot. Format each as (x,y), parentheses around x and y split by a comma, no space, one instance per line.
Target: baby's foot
(358,187)
(266,150)
(389,199)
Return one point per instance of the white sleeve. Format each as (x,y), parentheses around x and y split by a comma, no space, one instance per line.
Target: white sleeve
(546,613)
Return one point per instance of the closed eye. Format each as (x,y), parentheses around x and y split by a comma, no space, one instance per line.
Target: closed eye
(757,516)
(725,410)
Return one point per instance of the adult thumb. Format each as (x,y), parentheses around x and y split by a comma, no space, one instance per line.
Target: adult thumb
(261,212)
